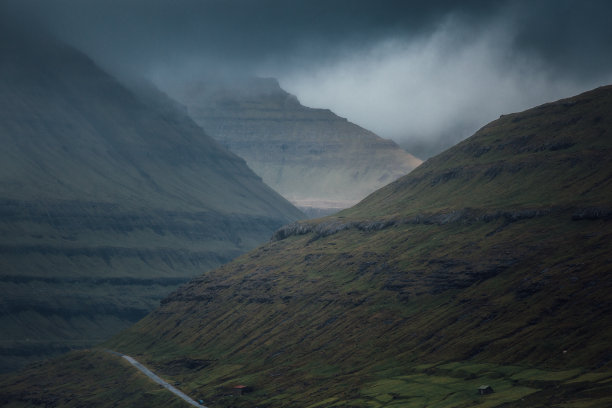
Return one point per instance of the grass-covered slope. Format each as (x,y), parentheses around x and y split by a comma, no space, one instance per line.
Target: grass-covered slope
(421,302)
(106,202)
(554,155)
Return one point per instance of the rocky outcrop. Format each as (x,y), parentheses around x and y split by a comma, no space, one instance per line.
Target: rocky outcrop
(333,226)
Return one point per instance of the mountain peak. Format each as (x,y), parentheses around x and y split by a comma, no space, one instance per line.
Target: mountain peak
(314,158)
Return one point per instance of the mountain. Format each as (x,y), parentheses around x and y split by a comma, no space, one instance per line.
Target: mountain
(489,265)
(317,160)
(107,202)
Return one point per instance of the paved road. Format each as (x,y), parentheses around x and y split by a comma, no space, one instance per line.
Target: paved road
(158,380)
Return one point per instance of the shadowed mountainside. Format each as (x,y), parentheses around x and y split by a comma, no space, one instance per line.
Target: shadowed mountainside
(107,203)
(489,264)
(317,160)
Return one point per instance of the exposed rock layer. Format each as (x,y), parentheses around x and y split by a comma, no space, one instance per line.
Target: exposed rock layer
(312,157)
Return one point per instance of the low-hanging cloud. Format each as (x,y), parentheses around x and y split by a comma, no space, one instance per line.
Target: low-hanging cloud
(424,74)
(432,91)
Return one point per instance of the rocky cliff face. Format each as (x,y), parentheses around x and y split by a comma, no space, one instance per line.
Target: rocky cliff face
(106,201)
(315,159)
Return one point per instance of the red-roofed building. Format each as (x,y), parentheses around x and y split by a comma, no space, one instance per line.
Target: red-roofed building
(241,389)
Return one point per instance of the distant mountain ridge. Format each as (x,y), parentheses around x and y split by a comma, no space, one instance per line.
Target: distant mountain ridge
(107,202)
(314,158)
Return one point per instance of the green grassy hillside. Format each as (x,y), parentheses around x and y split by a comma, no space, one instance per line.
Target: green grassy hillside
(107,203)
(554,155)
(431,287)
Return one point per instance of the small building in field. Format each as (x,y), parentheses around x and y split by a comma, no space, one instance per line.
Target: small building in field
(241,389)
(485,389)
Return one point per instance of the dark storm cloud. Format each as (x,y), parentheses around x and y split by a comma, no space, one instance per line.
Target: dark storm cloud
(137,32)
(145,31)
(574,37)
(428,72)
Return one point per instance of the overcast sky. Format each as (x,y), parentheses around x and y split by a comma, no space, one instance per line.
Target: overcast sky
(422,73)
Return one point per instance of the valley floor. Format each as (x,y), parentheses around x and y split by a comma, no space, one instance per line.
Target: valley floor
(71,381)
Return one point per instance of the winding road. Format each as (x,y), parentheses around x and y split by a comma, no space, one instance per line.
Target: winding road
(158,380)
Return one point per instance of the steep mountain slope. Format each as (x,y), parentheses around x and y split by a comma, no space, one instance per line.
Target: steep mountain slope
(455,283)
(312,157)
(550,156)
(106,203)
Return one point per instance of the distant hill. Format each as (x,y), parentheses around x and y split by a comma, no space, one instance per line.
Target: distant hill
(317,160)
(489,265)
(107,202)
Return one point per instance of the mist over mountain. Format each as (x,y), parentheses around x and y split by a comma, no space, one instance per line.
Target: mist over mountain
(107,201)
(425,75)
(320,162)
(479,279)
